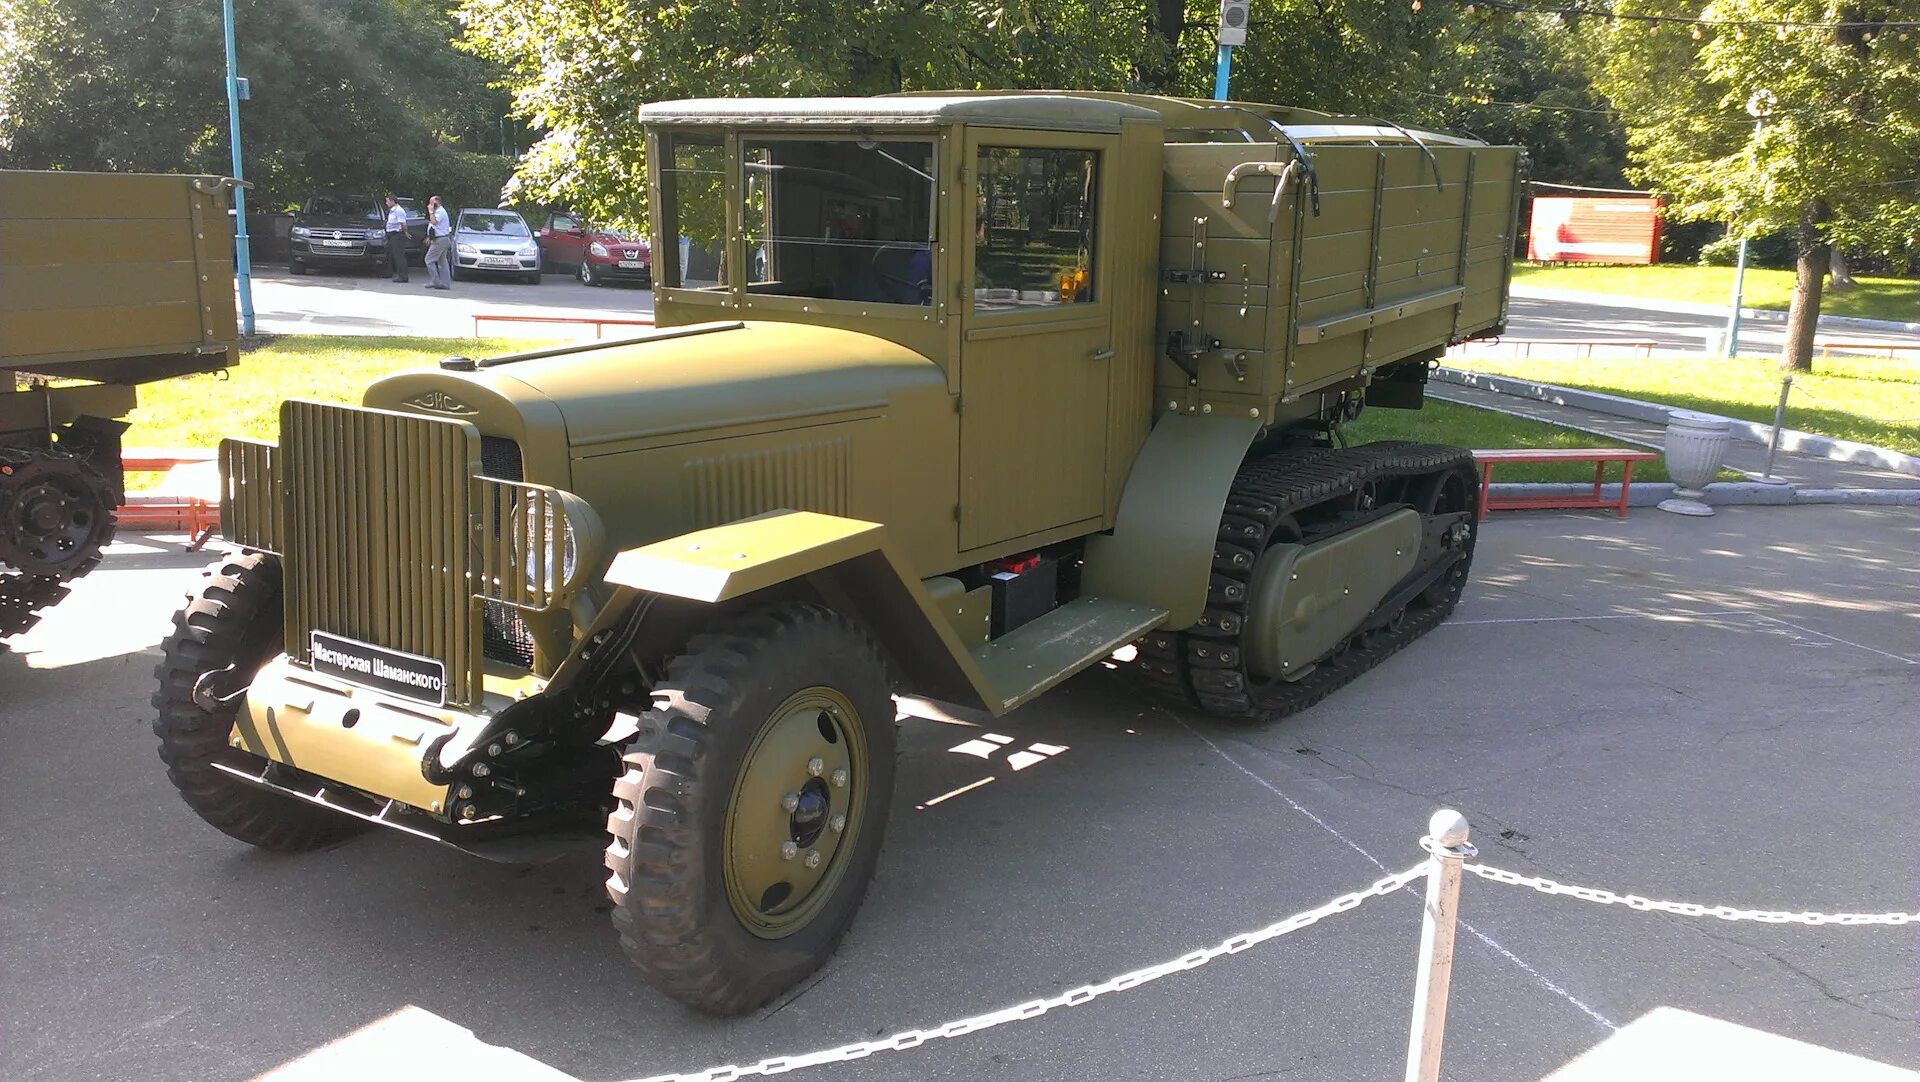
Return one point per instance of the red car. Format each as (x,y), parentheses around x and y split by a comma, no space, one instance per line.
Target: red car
(598,256)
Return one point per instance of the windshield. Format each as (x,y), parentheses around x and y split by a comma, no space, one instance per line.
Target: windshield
(508,225)
(341,206)
(831,219)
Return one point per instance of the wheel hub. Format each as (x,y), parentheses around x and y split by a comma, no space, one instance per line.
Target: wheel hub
(794,812)
(54,517)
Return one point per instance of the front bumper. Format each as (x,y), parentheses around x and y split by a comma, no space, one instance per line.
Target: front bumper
(515,264)
(357,252)
(614,272)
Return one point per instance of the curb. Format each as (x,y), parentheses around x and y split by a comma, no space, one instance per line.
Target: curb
(1655,304)
(1718,494)
(1792,440)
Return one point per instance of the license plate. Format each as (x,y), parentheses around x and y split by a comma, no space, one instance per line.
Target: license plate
(496,261)
(631,264)
(407,675)
(335,243)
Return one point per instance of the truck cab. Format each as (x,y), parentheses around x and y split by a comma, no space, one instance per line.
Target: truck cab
(1003,238)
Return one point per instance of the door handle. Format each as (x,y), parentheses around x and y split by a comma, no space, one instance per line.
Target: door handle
(1104,353)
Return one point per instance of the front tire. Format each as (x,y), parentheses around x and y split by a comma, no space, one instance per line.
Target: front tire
(296,267)
(587,277)
(753,806)
(233,620)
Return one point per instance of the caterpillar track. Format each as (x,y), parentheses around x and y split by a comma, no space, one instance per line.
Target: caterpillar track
(1304,496)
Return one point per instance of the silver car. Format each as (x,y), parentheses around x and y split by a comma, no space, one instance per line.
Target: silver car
(495,242)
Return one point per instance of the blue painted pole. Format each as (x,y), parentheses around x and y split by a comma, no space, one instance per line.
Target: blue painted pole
(1222,72)
(242,249)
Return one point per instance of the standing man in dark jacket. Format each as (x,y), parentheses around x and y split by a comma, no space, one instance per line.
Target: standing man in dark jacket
(397,239)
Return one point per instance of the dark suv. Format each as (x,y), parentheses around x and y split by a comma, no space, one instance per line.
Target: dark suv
(333,230)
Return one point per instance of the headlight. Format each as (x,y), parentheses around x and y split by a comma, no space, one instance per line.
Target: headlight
(376,234)
(554,549)
(598,249)
(527,250)
(466,249)
(302,231)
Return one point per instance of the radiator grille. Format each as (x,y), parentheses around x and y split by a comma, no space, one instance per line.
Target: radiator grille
(507,637)
(252,514)
(376,534)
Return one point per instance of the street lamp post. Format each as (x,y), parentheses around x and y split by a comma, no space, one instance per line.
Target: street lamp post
(1759,107)
(242,248)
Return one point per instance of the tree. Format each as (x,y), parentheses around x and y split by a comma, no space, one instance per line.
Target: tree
(366,94)
(579,70)
(1836,159)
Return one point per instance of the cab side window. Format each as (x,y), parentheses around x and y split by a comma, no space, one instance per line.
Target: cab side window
(562,224)
(1034,228)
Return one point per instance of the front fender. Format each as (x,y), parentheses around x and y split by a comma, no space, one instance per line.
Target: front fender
(848,564)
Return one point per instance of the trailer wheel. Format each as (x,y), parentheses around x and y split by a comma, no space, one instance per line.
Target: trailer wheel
(751,812)
(233,620)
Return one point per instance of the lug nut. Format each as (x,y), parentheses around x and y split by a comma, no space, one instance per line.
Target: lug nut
(813,858)
(468,811)
(494,749)
(788,850)
(838,823)
(466,791)
(512,739)
(790,801)
(840,778)
(815,765)
(481,770)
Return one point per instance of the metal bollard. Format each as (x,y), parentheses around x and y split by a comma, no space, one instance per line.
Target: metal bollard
(1773,444)
(1446,846)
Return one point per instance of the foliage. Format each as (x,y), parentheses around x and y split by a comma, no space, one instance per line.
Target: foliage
(1773,250)
(1842,144)
(580,69)
(357,94)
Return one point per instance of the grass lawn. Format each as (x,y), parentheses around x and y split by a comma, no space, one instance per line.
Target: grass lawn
(1873,298)
(198,411)
(1478,429)
(1869,399)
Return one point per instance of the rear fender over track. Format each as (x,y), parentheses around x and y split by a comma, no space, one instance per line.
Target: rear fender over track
(1161,550)
(847,564)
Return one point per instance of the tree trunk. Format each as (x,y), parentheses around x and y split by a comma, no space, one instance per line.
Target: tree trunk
(1803,319)
(1840,279)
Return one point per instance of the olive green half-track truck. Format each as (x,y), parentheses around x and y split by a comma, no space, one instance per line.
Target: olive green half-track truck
(952,396)
(107,281)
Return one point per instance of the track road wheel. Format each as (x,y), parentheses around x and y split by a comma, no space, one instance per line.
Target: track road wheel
(1446,493)
(750,815)
(233,620)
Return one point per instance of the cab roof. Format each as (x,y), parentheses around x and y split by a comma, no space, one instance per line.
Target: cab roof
(1050,112)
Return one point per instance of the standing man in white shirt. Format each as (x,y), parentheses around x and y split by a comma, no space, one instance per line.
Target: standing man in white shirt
(397,239)
(439,246)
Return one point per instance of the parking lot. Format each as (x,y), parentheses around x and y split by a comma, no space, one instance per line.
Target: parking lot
(1715,710)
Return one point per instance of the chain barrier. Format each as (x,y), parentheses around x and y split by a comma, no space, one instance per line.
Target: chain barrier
(1684,909)
(914,1038)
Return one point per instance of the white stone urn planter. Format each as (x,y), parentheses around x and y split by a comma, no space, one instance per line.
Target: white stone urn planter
(1696,447)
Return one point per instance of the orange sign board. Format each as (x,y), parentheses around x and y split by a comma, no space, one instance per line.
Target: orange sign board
(1594,230)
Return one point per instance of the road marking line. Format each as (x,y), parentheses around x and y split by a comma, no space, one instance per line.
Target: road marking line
(1838,639)
(1483,937)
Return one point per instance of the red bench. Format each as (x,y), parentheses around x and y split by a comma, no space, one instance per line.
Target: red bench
(1599,456)
(182,502)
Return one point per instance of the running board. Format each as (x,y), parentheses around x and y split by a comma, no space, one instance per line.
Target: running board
(1041,653)
(514,843)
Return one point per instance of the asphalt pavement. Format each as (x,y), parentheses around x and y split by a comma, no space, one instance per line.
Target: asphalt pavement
(1714,710)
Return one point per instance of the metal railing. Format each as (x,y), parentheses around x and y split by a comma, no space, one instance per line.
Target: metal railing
(599,323)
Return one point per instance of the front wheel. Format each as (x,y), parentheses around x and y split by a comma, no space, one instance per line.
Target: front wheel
(751,812)
(296,267)
(234,621)
(587,277)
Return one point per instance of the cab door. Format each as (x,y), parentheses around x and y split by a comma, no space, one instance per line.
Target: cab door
(1037,334)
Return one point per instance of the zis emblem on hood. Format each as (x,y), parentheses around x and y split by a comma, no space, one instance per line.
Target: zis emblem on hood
(441,402)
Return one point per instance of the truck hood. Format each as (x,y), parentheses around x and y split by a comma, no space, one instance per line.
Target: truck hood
(677,385)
